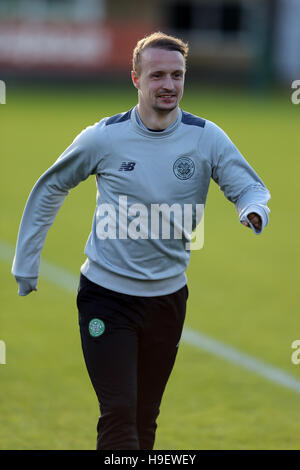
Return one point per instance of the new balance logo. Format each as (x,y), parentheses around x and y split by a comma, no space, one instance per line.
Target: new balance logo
(127,166)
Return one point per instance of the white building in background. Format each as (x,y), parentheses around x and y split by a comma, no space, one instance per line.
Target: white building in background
(245,42)
(287,40)
(37,10)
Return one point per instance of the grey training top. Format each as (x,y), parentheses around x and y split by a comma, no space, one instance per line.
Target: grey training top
(137,170)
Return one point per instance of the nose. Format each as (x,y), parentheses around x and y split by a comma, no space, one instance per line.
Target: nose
(168,82)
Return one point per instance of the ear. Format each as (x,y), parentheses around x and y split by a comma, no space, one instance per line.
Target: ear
(135,79)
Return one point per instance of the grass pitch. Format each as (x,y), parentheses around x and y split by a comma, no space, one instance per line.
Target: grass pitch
(243,288)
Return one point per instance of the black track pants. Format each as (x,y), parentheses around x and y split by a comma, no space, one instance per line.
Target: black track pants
(129,345)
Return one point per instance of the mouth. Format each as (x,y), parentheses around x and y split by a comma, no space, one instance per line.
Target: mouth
(167,97)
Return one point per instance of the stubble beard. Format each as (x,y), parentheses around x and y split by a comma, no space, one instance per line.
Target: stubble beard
(162,110)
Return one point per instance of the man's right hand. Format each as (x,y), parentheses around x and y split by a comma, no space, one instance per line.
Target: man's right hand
(26,284)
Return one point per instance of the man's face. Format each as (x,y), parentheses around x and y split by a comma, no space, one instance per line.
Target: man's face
(161,79)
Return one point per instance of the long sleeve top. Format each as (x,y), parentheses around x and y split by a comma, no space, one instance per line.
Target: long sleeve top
(138,170)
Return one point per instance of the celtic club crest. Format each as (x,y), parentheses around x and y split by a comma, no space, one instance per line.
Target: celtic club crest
(184,168)
(96,327)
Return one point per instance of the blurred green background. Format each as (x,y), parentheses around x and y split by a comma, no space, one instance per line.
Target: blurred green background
(243,287)
(66,64)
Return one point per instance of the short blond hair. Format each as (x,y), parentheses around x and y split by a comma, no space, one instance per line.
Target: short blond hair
(158,40)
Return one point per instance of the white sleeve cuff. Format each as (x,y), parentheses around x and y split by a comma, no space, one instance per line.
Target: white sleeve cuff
(259,209)
(26,284)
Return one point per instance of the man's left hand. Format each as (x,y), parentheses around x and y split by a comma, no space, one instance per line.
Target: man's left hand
(255,220)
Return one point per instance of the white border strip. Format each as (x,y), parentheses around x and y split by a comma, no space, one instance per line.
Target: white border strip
(69,282)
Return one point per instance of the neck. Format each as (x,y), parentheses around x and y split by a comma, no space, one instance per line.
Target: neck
(157,120)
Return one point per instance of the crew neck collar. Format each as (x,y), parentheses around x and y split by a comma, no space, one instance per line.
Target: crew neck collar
(142,129)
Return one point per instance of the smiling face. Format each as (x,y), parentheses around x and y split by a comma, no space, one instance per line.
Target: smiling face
(160,80)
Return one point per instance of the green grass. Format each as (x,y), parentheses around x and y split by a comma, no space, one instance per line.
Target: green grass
(243,288)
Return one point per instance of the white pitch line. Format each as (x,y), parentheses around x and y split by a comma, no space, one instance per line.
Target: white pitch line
(245,361)
(69,282)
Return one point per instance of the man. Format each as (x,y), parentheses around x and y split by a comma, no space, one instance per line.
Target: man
(132,293)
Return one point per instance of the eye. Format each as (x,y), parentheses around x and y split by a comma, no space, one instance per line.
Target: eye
(157,74)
